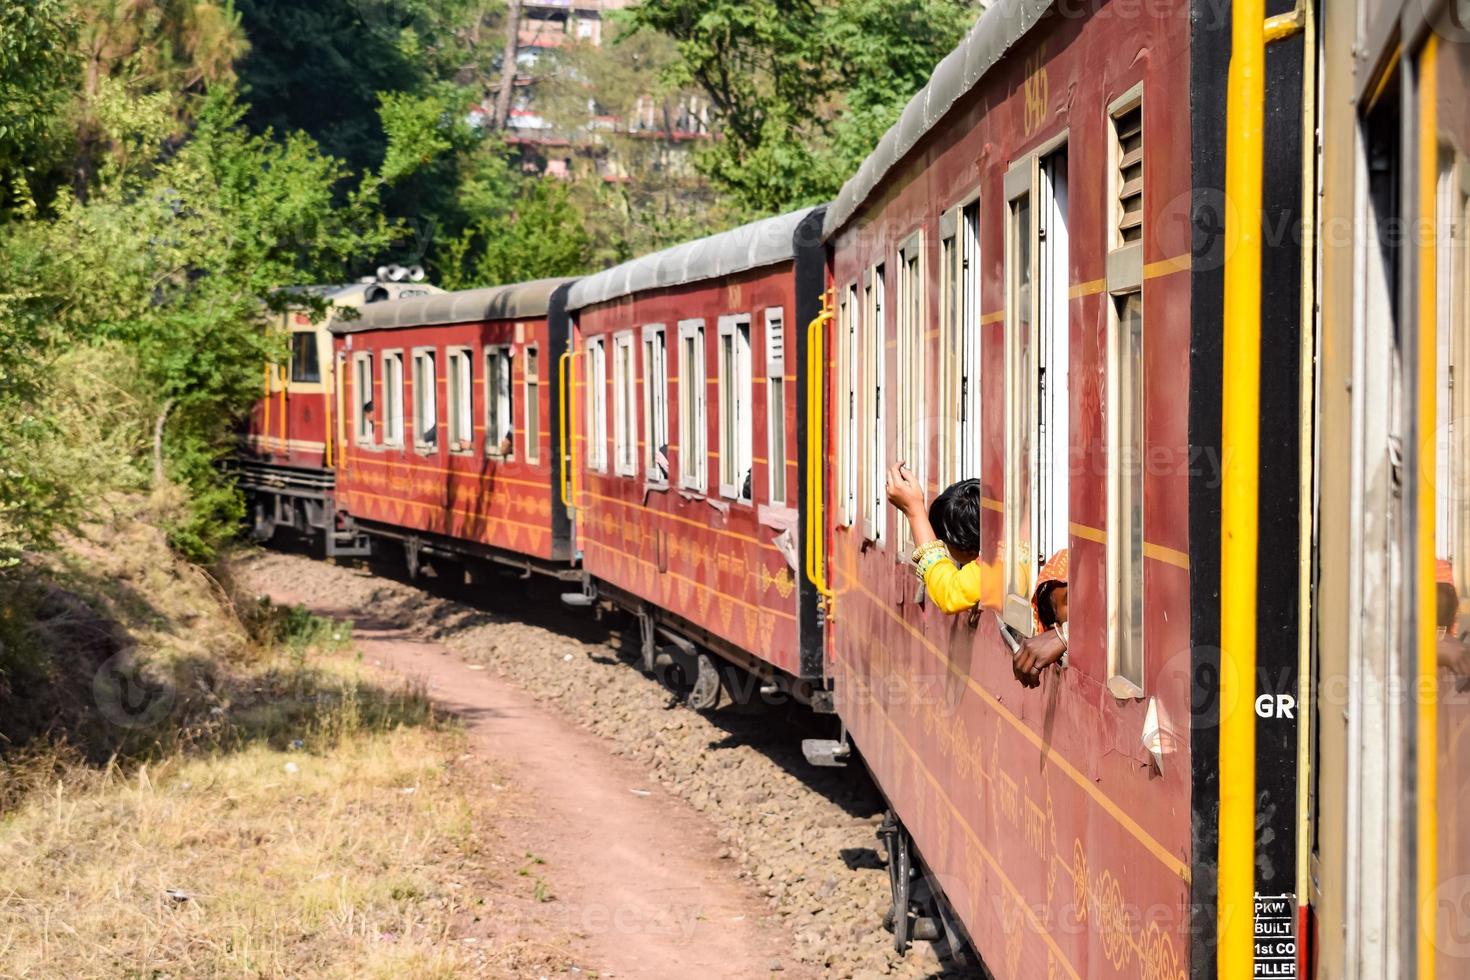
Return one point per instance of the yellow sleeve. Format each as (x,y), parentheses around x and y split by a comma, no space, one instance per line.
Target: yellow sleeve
(954,589)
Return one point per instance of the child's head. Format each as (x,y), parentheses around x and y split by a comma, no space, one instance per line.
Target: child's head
(1049,601)
(955,517)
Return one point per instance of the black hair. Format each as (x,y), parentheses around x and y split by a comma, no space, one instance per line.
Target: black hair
(955,516)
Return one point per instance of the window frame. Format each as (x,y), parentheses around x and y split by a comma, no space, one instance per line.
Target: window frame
(850,390)
(304,383)
(875,417)
(777,486)
(734,386)
(459,393)
(960,343)
(693,409)
(596,404)
(504,355)
(655,428)
(421,445)
(1127,600)
(364,424)
(395,399)
(531,407)
(1031,511)
(625,405)
(911,393)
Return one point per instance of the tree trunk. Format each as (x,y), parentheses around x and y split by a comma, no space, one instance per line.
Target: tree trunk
(508,64)
(158,424)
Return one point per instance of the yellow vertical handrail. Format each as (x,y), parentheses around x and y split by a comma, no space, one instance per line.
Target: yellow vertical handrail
(1426,757)
(329,434)
(816,528)
(1239,497)
(281,400)
(568,431)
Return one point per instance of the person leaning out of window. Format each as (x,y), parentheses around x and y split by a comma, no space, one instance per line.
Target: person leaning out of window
(947,558)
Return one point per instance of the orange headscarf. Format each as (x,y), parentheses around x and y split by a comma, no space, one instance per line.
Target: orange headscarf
(1053,574)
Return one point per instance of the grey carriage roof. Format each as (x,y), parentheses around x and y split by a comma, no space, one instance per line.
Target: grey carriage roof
(513,302)
(996,32)
(747,247)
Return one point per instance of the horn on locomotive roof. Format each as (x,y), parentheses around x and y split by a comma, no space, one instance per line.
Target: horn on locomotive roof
(416,273)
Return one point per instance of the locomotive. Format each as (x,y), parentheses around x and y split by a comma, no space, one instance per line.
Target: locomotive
(1140,271)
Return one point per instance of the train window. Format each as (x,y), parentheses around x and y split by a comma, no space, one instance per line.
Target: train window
(532,369)
(425,401)
(393,398)
(736,421)
(875,515)
(959,316)
(1125,491)
(776,403)
(1452,399)
(693,431)
(911,394)
(1037,405)
(362,397)
(625,406)
(597,405)
(460,381)
(304,364)
(848,391)
(499,403)
(655,404)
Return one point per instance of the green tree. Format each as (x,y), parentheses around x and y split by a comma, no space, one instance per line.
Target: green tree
(37,77)
(803,89)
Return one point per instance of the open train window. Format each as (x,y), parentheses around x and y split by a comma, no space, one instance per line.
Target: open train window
(1452,394)
(532,372)
(597,405)
(655,404)
(1124,411)
(499,403)
(304,364)
(362,398)
(425,401)
(625,406)
(393,398)
(1037,405)
(776,403)
(460,383)
(959,323)
(911,401)
(848,388)
(693,428)
(736,421)
(875,516)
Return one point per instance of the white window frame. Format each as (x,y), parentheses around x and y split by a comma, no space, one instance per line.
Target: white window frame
(425,411)
(1127,388)
(364,398)
(394,398)
(693,412)
(499,405)
(655,404)
(777,486)
(960,343)
(460,398)
(597,404)
(912,394)
(1037,460)
(625,405)
(531,409)
(875,414)
(848,412)
(736,420)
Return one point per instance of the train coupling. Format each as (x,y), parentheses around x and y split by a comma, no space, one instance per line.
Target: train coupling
(826,751)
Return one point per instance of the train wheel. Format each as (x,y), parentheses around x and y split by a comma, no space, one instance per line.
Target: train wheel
(900,880)
(262,522)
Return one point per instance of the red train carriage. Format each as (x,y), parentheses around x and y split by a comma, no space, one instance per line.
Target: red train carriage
(689,492)
(286,462)
(445,433)
(1012,277)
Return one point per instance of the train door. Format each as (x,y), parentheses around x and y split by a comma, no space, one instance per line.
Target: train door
(1392,864)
